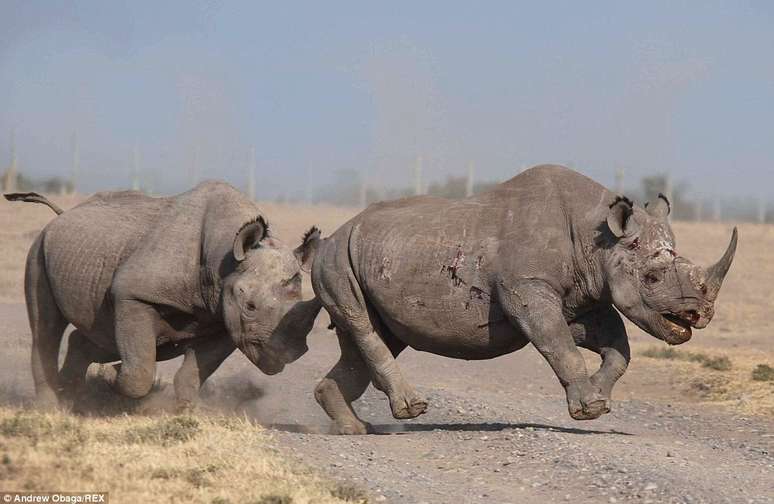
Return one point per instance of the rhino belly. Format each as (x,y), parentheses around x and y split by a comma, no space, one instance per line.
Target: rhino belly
(452,326)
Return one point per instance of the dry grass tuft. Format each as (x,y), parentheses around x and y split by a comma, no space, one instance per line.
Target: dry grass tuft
(718,363)
(763,372)
(736,388)
(222,460)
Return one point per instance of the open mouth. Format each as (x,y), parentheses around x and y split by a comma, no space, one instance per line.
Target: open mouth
(680,326)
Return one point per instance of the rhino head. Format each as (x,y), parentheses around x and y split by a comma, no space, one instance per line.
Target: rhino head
(662,292)
(261,298)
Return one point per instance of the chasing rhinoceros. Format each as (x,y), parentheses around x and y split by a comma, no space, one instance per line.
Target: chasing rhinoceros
(148,279)
(544,258)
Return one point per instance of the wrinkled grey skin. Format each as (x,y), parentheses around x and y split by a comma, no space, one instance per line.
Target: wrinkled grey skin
(545,258)
(148,279)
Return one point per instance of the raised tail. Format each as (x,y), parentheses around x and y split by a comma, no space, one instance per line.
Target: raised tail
(31,197)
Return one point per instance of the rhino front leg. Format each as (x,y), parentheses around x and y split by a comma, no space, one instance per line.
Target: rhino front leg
(536,309)
(200,361)
(136,335)
(603,332)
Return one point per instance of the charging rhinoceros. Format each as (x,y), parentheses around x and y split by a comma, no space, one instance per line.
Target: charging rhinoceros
(544,258)
(147,279)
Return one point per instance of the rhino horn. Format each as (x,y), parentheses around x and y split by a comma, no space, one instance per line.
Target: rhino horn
(717,272)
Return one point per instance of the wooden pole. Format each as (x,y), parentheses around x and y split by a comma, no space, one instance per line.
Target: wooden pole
(136,168)
(469,182)
(11,176)
(418,176)
(619,180)
(76,166)
(251,175)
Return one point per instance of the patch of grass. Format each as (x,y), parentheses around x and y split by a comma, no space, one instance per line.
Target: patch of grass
(165,432)
(349,493)
(275,499)
(717,363)
(147,459)
(763,372)
(34,426)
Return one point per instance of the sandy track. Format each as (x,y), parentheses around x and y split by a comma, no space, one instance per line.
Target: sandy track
(496,431)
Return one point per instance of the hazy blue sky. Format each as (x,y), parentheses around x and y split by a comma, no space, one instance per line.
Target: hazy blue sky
(686,87)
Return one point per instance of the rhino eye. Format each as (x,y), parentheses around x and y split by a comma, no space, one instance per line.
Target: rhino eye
(292,280)
(652,279)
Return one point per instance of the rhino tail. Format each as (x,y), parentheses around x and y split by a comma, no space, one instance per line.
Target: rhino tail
(31,197)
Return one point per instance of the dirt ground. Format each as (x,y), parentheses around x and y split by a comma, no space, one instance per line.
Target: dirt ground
(498,430)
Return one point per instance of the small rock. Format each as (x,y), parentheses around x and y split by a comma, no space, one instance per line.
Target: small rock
(651,486)
(380,498)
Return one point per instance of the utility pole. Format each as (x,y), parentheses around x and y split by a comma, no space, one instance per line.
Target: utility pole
(251,175)
(668,193)
(700,210)
(135,168)
(418,176)
(717,213)
(470,180)
(11,176)
(619,180)
(363,196)
(76,163)
(193,176)
(761,210)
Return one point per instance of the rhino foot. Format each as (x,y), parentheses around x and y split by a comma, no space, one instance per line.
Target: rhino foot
(585,403)
(46,401)
(351,428)
(404,408)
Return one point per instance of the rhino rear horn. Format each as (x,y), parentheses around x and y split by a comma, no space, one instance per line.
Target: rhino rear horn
(717,272)
(249,237)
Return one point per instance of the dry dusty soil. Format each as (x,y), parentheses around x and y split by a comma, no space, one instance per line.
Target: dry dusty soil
(498,430)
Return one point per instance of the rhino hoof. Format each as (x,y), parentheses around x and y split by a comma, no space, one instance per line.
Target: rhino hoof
(351,429)
(589,411)
(409,409)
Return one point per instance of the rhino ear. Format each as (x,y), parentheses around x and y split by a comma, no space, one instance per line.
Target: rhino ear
(660,209)
(620,220)
(306,251)
(249,237)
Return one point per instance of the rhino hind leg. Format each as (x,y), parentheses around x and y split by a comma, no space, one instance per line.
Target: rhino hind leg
(343,384)
(81,353)
(200,361)
(536,309)
(343,298)
(47,325)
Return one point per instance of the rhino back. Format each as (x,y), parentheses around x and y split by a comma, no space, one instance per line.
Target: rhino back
(165,251)
(85,246)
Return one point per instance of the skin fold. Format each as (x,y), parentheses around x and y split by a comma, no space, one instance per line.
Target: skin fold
(549,257)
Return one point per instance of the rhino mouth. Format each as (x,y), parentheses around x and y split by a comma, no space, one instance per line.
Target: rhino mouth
(679,326)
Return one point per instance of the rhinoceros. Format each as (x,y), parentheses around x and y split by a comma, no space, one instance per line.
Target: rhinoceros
(549,257)
(147,279)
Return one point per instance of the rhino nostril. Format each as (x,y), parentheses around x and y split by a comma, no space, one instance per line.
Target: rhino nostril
(693,316)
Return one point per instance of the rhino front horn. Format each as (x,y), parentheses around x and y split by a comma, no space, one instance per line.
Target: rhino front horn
(717,272)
